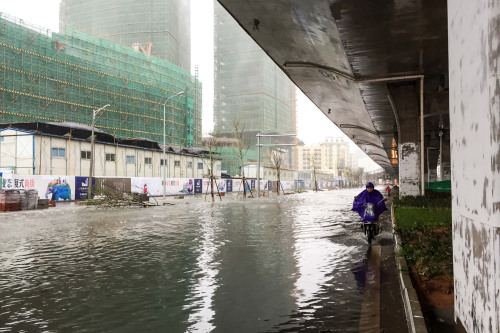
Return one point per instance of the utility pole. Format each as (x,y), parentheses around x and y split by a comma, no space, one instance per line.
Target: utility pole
(258,165)
(91,172)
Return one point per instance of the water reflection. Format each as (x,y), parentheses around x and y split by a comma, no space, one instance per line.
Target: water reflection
(205,285)
(258,271)
(262,265)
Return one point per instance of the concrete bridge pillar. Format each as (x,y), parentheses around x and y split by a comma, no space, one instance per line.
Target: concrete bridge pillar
(409,168)
(474,54)
(409,137)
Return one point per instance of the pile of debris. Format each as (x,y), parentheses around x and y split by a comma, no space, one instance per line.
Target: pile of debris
(111,197)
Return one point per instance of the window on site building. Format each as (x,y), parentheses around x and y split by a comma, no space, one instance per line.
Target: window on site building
(58,152)
(110,157)
(85,155)
(177,163)
(130,159)
(200,165)
(148,160)
(190,165)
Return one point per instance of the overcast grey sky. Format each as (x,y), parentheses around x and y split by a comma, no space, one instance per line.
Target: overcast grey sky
(313,125)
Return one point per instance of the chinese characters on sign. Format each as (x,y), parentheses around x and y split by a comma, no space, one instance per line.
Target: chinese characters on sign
(17,183)
(173,183)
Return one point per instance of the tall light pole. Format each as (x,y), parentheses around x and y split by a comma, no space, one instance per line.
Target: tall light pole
(91,172)
(164,144)
(258,165)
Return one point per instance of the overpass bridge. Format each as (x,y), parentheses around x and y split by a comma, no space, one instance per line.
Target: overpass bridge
(413,84)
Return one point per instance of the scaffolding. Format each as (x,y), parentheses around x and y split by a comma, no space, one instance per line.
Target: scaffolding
(45,76)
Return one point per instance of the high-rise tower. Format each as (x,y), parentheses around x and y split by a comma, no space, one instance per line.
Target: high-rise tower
(249,87)
(166,24)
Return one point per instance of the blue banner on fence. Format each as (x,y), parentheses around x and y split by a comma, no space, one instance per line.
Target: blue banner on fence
(82,187)
(198,186)
(229,185)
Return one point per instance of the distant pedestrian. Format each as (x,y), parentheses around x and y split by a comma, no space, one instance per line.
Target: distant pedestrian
(388,190)
(145,190)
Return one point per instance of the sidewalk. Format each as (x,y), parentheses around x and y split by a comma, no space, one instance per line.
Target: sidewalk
(392,316)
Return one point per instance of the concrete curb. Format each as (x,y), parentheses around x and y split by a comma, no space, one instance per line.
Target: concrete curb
(414,316)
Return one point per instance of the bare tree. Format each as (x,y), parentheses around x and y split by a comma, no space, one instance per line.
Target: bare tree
(211,144)
(349,175)
(277,157)
(314,171)
(358,175)
(240,149)
(339,172)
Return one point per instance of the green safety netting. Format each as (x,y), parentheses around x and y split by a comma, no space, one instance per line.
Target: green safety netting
(46,76)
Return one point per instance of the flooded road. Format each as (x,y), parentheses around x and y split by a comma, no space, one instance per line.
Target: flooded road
(280,264)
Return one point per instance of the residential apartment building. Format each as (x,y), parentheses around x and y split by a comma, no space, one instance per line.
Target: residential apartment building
(331,156)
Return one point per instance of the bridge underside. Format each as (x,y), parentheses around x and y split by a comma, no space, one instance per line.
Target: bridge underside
(360,62)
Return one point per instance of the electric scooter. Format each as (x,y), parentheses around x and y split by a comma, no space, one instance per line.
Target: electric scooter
(369,224)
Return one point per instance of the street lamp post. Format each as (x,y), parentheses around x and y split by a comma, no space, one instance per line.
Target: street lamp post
(164,144)
(91,172)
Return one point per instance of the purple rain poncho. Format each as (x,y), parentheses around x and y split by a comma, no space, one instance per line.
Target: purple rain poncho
(365,197)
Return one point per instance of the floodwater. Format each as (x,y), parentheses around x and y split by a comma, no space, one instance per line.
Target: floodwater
(292,263)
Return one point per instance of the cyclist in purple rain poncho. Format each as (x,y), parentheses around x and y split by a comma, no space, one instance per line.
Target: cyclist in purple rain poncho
(370,195)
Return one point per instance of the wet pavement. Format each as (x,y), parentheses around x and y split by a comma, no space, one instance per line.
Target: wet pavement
(295,263)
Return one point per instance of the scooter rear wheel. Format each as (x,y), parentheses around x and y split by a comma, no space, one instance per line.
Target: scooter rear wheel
(370,233)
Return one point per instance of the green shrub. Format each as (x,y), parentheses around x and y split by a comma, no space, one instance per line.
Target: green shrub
(431,199)
(425,229)
(431,257)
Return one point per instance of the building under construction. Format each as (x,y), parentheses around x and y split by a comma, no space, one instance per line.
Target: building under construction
(163,24)
(51,77)
(250,89)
